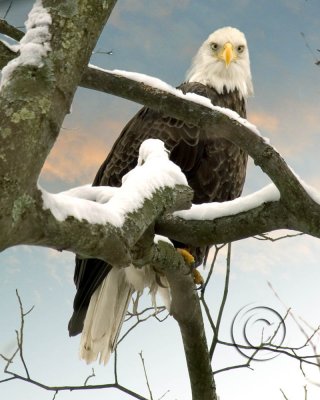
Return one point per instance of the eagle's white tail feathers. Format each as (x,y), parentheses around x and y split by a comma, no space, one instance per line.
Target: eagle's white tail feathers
(165,294)
(104,318)
(108,307)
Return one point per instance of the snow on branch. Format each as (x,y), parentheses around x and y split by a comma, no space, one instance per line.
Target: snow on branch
(99,194)
(169,101)
(243,217)
(154,171)
(73,220)
(198,110)
(158,84)
(34,45)
(212,211)
(298,205)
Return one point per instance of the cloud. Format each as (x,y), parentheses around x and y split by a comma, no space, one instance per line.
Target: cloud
(283,256)
(75,157)
(292,126)
(155,10)
(294,6)
(264,121)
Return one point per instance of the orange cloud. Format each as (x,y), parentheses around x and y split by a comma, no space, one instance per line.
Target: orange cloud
(264,121)
(78,153)
(75,157)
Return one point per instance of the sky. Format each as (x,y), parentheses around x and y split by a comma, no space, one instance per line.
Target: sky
(159,38)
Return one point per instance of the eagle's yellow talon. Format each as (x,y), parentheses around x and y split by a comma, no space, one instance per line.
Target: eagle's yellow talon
(197,277)
(188,257)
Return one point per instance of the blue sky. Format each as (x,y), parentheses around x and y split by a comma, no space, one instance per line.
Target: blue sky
(160,37)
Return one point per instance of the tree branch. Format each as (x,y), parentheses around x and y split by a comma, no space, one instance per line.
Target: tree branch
(296,209)
(9,30)
(35,99)
(6,54)
(264,155)
(190,323)
(222,305)
(108,242)
(265,218)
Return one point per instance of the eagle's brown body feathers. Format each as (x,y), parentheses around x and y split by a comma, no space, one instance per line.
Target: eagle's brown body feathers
(215,169)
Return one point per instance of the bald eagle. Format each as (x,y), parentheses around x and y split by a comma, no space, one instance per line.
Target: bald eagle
(215,170)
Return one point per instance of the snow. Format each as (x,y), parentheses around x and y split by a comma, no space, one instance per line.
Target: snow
(103,204)
(13,47)
(160,238)
(192,97)
(154,171)
(213,211)
(34,45)
(63,206)
(100,194)
(311,191)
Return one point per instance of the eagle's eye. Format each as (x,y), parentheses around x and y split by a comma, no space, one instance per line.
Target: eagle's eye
(214,46)
(240,48)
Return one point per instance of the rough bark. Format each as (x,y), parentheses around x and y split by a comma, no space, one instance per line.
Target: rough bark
(29,136)
(35,101)
(187,312)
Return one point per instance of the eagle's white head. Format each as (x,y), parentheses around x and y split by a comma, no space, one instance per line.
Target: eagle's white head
(223,62)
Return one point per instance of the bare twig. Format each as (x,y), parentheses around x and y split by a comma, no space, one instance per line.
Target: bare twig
(139,320)
(217,249)
(56,389)
(309,338)
(281,324)
(264,236)
(209,316)
(139,313)
(89,377)
(115,365)
(283,394)
(164,394)
(245,365)
(223,302)
(146,375)
(99,51)
(77,388)
(316,59)
(8,10)
(288,351)
(305,392)
(203,290)
(20,335)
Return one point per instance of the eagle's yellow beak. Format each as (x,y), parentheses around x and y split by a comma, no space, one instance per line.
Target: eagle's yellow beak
(227,54)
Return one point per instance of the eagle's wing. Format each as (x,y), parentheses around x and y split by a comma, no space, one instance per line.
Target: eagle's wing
(215,169)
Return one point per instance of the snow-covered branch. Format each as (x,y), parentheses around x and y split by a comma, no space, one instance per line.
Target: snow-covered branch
(116,217)
(34,100)
(199,111)
(295,209)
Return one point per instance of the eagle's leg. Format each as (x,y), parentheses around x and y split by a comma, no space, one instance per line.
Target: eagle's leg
(189,260)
